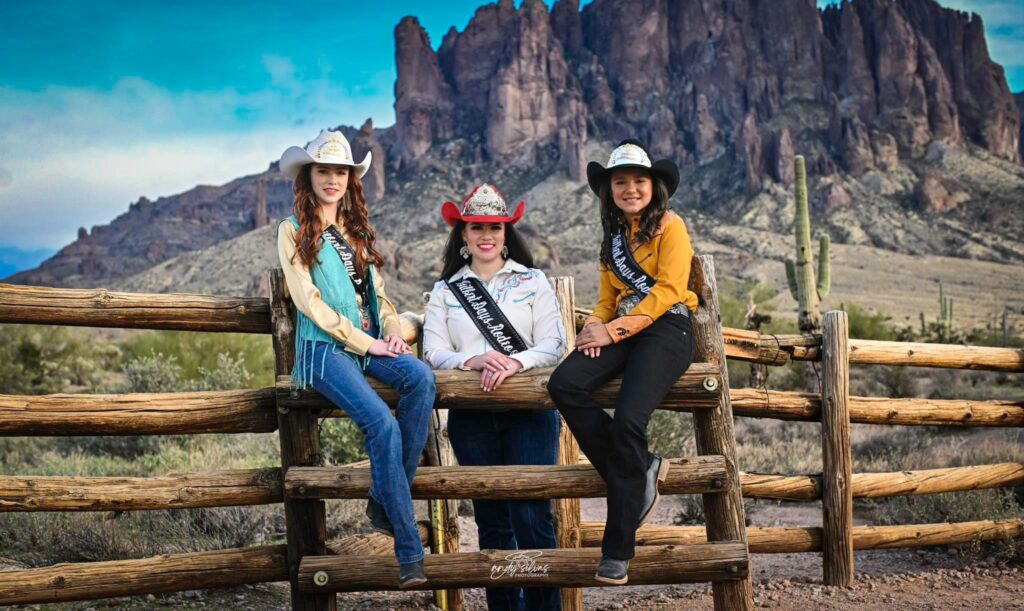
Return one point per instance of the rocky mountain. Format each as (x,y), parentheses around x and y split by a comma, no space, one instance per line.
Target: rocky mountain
(1019,98)
(912,136)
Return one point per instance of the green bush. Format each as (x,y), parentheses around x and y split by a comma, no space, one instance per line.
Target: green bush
(341,441)
(865,324)
(39,359)
(160,373)
(194,353)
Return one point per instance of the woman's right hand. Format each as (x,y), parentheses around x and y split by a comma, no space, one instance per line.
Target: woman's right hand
(493,361)
(379,347)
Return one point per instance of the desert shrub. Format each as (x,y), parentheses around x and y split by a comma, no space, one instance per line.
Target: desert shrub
(670,434)
(883,381)
(160,373)
(866,324)
(341,441)
(948,507)
(153,373)
(39,539)
(774,446)
(39,359)
(195,352)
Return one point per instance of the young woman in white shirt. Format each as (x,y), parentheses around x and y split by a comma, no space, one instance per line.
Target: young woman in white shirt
(488,281)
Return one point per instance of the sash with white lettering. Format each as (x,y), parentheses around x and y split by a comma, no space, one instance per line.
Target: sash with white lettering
(626,269)
(487,316)
(348,258)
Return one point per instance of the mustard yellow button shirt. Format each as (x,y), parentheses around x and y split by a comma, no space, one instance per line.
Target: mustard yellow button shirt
(667,259)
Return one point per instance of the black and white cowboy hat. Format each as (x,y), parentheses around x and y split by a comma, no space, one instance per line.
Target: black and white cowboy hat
(632,154)
(330,148)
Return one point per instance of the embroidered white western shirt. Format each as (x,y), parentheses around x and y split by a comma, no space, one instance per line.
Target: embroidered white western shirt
(450,338)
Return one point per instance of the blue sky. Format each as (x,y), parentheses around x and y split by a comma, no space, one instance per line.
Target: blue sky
(102,102)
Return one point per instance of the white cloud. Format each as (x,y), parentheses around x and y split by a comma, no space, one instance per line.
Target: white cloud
(73,157)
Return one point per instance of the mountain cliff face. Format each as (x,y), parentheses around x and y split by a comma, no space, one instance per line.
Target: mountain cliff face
(912,136)
(691,76)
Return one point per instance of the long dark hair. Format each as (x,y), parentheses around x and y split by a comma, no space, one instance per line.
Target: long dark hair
(518,251)
(612,218)
(353,212)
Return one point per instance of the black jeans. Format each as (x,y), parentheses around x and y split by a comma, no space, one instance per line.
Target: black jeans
(650,363)
(514,437)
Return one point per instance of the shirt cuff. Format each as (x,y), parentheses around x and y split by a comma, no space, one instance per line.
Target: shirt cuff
(627,326)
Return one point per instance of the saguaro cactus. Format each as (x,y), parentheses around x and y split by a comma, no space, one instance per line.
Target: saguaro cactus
(800,274)
(945,316)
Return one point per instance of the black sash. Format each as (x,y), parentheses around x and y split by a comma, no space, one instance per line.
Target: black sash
(487,316)
(348,257)
(626,269)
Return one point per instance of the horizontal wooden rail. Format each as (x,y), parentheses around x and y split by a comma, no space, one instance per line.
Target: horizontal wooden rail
(784,540)
(702,474)
(661,564)
(527,390)
(103,308)
(252,410)
(872,352)
(211,489)
(228,411)
(744,345)
(168,573)
(880,410)
(880,485)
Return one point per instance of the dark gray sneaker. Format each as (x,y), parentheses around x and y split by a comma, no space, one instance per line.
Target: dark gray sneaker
(379,518)
(411,575)
(657,471)
(612,571)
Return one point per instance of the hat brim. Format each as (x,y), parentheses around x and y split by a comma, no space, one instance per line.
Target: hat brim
(665,169)
(296,157)
(451,215)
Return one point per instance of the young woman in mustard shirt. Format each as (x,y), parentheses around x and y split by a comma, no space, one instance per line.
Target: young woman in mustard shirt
(640,330)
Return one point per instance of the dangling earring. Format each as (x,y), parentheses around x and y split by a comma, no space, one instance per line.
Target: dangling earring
(464,252)
(504,252)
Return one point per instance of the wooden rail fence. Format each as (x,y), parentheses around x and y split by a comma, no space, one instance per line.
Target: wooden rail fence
(666,553)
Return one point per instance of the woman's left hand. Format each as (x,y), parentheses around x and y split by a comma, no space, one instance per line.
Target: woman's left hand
(397,345)
(594,335)
(490,380)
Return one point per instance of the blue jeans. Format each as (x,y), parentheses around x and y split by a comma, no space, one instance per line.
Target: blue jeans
(393,442)
(514,437)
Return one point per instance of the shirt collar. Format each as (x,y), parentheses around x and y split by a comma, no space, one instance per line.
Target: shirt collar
(511,267)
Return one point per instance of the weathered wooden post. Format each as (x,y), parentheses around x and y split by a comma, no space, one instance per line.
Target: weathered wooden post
(443,513)
(567,511)
(837,460)
(713,431)
(300,446)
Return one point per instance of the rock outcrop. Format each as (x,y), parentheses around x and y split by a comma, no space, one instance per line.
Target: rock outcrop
(685,76)
(730,89)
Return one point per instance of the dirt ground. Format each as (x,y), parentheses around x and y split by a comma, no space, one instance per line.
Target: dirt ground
(934,578)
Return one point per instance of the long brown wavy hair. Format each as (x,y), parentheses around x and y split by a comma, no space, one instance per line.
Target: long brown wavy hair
(353,212)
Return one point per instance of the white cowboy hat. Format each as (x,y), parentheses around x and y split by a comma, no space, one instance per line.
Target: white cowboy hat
(631,154)
(329,147)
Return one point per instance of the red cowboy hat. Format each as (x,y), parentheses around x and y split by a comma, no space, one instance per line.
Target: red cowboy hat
(485,204)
